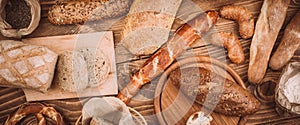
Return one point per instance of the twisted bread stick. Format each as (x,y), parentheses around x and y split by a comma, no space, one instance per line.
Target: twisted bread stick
(185,36)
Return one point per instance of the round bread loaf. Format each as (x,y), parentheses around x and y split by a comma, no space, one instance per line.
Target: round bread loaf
(71,72)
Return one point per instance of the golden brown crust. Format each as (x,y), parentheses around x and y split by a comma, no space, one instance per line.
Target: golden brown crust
(233,45)
(38,110)
(183,38)
(268,25)
(200,83)
(288,45)
(243,17)
(73,12)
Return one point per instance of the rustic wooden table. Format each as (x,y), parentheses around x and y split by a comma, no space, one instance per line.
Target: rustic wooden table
(11,98)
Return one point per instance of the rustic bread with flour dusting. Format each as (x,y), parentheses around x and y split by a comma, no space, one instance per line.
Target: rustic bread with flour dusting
(148,24)
(26,66)
(80,69)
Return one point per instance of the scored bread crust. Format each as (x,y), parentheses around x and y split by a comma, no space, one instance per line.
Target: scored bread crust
(26,66)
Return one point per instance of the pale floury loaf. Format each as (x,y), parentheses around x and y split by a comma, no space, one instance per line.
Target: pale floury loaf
(148,24)
(26,66)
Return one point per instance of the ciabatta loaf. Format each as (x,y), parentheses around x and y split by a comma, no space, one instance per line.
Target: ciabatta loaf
(26,66)
(148,24)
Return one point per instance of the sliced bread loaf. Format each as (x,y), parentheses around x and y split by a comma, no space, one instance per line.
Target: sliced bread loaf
(80,69)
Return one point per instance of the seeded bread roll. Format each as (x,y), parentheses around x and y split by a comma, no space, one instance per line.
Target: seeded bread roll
(211,89)
(71,73)
(26,66)
(80,11)
(80,69)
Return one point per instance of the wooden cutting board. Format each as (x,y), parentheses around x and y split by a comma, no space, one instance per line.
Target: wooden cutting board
(99,40)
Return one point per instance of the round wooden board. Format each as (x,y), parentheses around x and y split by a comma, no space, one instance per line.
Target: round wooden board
(174,107)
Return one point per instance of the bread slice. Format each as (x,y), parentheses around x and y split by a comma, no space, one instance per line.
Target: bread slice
(148,24)
(26,66)
(97,64)
(71,72)
(80,69)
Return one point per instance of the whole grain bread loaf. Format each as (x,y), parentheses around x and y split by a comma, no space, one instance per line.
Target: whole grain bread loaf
(26,66)
(80,69)
(209,89)
(148,24)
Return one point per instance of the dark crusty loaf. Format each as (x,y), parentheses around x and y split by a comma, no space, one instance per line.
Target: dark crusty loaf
(26,66)
(80,69)
(201,83)
(148,24)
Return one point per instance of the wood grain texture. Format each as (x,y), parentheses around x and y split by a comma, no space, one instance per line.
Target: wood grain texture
(11,99)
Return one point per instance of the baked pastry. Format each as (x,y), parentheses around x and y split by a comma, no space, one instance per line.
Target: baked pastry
(80,69)
(26,66)
(209,88)
(39,110)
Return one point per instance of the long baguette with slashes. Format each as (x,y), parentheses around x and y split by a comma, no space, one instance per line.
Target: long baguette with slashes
(184,37)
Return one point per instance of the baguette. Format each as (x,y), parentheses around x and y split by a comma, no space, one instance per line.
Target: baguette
(200,82)
(148,24)
(270,20)
(184,37)
(26,66)
(288,45)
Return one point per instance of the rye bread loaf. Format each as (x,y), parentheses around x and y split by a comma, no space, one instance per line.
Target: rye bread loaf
(26,66)
(80,69)
(229,97)
(148,24)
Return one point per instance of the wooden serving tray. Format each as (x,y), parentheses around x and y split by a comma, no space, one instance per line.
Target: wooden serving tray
(99,40)
(174,107)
